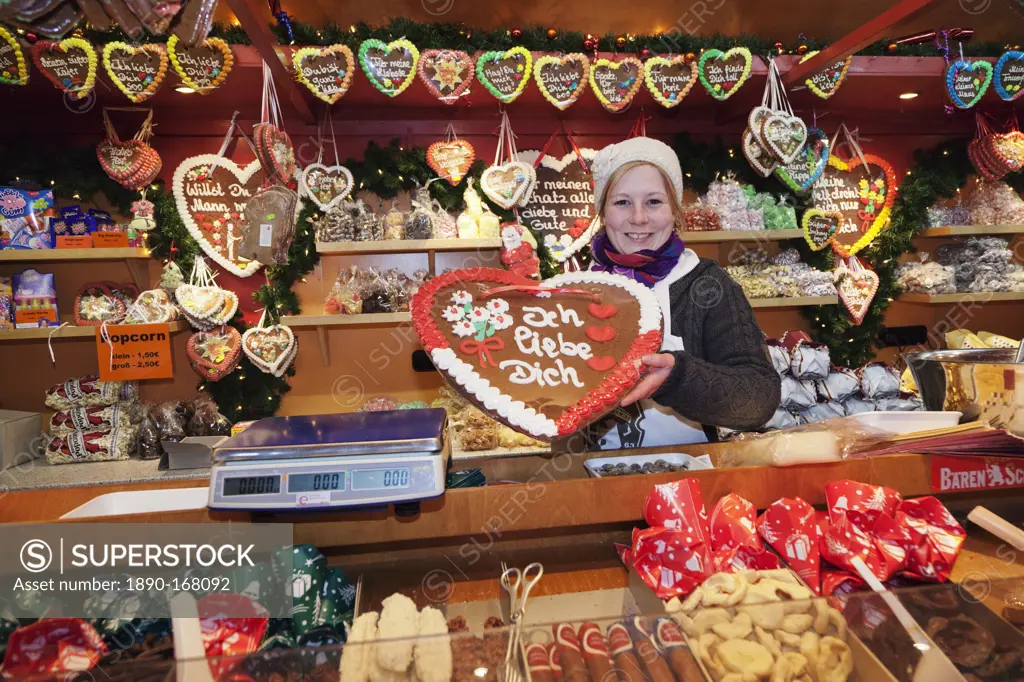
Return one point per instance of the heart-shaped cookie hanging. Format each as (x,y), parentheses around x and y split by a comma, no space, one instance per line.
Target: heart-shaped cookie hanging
(616,83)
(505,74)
(151,306)
(538,357)
(214,353)
(783,136)
(271,349)
(275,152)
(206,307)
(722,73)
(757,156)
(446,73)
(820,227)
(451,159)
(561,78)
(826,81)
(669,79)
(389,66)
(13,68)
(967,81)
(132,164)
(69,64)
(857,288)
(211,192)
(509,184)
(95,304)
(201,67)
(326,186)
(137,71)
(809,164)
(863,194)
(326,71)
(1008,76)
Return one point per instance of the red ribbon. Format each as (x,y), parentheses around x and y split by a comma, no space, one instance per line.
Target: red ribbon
(483,349)
(536,288)
(572,143)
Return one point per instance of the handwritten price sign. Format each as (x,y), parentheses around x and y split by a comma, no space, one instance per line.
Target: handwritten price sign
(129,352)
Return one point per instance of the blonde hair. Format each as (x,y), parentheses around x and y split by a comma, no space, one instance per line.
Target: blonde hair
(674,204)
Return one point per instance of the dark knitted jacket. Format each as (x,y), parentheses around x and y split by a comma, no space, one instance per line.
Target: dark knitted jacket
(724,376)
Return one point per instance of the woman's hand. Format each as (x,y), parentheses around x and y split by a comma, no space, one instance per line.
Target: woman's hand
(658,368)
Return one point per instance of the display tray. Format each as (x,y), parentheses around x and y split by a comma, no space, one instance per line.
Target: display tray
(595,467)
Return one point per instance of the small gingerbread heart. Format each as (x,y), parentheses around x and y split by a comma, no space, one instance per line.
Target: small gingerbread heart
(451,159)
(201,67)
(505,74)
(446,73)
(560,79)
(326,71)
(616,83)
(820,227)
(69,64)
(214,353)
(270,349)
(669,79)
(137,71)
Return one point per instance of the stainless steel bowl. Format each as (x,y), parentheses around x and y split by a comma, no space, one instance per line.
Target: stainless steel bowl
(980,383)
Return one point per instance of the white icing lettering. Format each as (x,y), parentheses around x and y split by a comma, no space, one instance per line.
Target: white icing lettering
(538,317)
(569,316)
(525,373)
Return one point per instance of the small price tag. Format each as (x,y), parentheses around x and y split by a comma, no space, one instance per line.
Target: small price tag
(134,351)
(956,474)
(110,240)
(76,242)
(266,234)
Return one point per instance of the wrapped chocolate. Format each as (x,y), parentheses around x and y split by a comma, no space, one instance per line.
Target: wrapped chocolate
(700,218)
(780,420)
(786,257)
(375,293)
(855,405)
(878,380)
(796,397)
(91,446)
(53,648)
(810,361)
(840,384)
(735,544)
(420,223)
(444,222)
(790,528)
(905,402)
(394,224)
(820,412)
(205,419)
(338,224)
(344,297)
(779,355)
(90,391)
(99,419)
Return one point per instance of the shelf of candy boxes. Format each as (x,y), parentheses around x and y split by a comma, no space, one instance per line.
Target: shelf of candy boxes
(976,265)
(102,421)
(353,227)
(738,585)
(983,208)
(783,275)
(31,222)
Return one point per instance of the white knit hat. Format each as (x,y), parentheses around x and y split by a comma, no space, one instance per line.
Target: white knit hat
(644,149)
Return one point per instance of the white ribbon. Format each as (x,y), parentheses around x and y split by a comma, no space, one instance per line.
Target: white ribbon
(49,341)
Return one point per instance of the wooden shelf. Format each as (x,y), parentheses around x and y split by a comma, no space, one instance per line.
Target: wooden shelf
(719,236)
(969,230)
(300,321)
(51,255)
(407,246)
(793,301)
(71,332)
(983,297)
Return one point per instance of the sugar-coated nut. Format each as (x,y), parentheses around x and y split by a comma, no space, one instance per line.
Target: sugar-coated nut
(724,589)
(782,671)
(761,592)
(705,619)
(744,656)
(707,651)
(809,648)
(797,623)
(797,662)
(739,628)
(782,575)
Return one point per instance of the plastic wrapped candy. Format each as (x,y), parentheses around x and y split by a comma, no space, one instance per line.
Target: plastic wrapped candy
(6,304)
(398,284)
(938,216)
(927,278)
(344,297)
(206,419)
(700,218)
(819,412)
(381,404)
(786,257)
(376,293)
(413,405)
(779,356)
(789,526)
(420,223)
(994,203)
(810,360)
(855,405)
(394,224)
(824,289)
(878,380)
(840,384)
(780,420)
(338,225)
(796,396)
(412,285)
(904,402)
(366,224)
(444,223)
(783,279)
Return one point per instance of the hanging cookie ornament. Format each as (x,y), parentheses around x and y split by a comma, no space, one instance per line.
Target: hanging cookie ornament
(202,302)
(270,348)
(446,73)
(273,145)
(132,164)
(669,78)
(326,71)
(782,133)
(13,67)
(616,82)
(451,157)
(201,67)
(1008,77)
(390,67)
(136,70)
(825,82)
(505,74)
(722,73)
(820,227)
(270,219)
(326,186)
(508,182)
(967,80)
(214,353)
(69,64)
(857,287)
(561,78)
(810,163)
(754,149)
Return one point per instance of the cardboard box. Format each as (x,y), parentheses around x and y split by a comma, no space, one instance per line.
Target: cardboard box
(17,431)
(194,452)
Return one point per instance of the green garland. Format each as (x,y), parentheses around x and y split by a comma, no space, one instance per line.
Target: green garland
(460,37)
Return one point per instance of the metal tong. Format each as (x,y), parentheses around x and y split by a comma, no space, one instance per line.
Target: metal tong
(518,585)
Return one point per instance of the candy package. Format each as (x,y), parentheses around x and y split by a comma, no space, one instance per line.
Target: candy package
(420,223)
(367,224)
(444,223)
(35,300)
(810,361)
(375,292)
(204,418)
(878,380)
(270,225)
(162,421)
(25,219)
(700,218)
(779,355)
(394,224)
(840,384)
(338,224)
(819,412)
(73,222)
(796,396)
(344,297)
(91,446)
(780,420)
(100,418)
(90,391)
(6,304)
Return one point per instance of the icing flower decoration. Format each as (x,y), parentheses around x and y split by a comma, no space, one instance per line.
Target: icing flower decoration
(463,328)
(453,313)
(500,321)
(479,315)
(497,305)
(462,298)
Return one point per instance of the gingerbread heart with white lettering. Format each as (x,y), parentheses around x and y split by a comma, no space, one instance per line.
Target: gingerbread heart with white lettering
(509,184)
(275,151)
(451,159)
(132,164)
(69,64)
(546,359)
(211,193)
(560,79)
(616,83)
(857,288)
(201,67)
(825,82)
(446,73)
(215,353)
(326,186)
(326,71)
(783,136)
(136,70)
(271,349)
(669,79)
(820,227)
(722,73)
(505,74)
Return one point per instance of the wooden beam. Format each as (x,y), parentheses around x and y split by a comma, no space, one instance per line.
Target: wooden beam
(250,15)
(857,39)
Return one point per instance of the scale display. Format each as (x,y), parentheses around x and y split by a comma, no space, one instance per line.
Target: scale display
(380,479)
(252,485)
(314,483)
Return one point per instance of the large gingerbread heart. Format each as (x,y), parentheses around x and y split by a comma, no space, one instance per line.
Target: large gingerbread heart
(201,67)
(326,186)
(450,159)
(509,184)
(544,359)
(137,71)
(215,353)
(211,193)
(616,83)
(389,66)
(505,74)
(857,288)
(967,81)
(864,195)
(271,349)
(446,73)
(326,71)
(669,79)
(722,73)
(69,64)
(561,78)
(275,152)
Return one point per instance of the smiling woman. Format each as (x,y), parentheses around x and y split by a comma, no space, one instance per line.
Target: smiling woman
(712,369)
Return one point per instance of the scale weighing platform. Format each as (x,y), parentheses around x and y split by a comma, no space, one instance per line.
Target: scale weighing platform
(358,459)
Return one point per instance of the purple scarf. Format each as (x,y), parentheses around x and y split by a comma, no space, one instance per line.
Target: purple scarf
(648,266)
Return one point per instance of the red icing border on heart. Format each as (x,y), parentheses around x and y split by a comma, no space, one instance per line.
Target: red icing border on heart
(463,59)
(597,402)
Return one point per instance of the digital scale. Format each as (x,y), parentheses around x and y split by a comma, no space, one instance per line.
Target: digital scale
(358,459)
